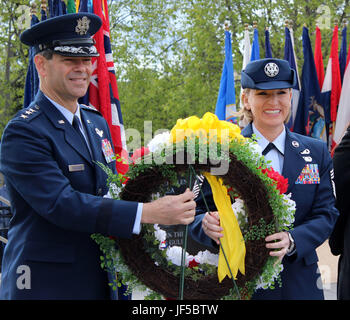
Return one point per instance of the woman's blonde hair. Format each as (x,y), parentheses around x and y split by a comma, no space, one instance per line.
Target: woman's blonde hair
(245,115)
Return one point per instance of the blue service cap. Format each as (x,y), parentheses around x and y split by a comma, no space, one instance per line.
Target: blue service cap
(67,35)
(268,74)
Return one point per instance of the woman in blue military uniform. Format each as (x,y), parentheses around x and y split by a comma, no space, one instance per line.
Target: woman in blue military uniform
(48,157)
(267,98)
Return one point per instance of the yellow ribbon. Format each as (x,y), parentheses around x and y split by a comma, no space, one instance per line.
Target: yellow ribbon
(232,242)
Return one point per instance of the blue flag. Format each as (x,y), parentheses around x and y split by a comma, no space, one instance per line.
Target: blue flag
(32,79)
(226,102)
(255,46)
(310,117)
(268,51)
(342,54)
(57,8)
(289,55)
(86,6)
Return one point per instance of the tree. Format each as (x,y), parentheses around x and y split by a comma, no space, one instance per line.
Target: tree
(13,60)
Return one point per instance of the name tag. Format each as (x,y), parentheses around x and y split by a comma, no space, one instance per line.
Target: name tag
(76,167)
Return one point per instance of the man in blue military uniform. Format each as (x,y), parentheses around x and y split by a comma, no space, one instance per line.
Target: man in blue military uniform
(307,165)
(48,156)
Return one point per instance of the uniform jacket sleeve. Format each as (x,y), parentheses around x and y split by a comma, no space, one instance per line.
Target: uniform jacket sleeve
(316,223)
(30,162)
(341,161)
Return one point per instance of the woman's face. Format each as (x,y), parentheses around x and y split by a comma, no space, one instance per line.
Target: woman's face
(270,108)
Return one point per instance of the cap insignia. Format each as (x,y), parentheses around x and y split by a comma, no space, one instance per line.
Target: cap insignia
(271,69)
(82,26)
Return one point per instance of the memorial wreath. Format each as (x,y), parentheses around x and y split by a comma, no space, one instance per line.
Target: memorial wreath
(248,193)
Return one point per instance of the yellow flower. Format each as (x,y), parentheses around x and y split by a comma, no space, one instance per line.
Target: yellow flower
(210,121)
(194,123)
(210,124)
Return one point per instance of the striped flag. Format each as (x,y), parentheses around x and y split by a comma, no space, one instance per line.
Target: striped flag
(103,89)
(343,115)
(331,88)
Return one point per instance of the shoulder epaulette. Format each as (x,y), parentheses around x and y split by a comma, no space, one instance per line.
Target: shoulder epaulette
(90,108)
(29,113)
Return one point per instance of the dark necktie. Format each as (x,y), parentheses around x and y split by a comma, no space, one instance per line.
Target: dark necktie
(269,147)
(75,124)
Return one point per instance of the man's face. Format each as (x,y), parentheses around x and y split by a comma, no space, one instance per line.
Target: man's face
(65,78)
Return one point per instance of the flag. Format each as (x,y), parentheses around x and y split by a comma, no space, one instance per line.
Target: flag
(342,53)
(331,88)
(226,102)
(32,79)
(103,90)
(57,8)
(255,55)
(71,8)
(289,55)
(310,117)
(246,59)
(343,116)
(318,57)
(85,6)
(268,51)
(246,48)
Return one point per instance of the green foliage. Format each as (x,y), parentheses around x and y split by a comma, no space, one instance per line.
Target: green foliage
(259,231)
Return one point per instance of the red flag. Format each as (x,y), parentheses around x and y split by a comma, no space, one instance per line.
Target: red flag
(318,57)
(336,80)
(103,90)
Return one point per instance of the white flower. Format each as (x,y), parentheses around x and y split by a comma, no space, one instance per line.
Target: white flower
(266,280)
(239,211)
(238,207)
(207,257)
(159,141)
(115,191)
(174,254)
(160,235)
(290,204)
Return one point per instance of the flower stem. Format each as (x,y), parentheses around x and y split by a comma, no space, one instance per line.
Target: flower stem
(184,247)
